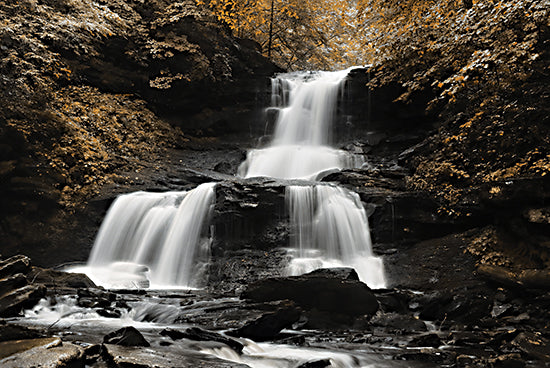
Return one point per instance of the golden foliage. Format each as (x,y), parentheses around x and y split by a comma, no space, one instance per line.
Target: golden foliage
(296,34)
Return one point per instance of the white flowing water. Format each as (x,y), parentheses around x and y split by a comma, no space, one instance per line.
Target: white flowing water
(306,104)
(329,226)
(161,237)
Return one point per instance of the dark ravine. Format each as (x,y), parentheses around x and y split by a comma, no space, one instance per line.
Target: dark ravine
(167,100)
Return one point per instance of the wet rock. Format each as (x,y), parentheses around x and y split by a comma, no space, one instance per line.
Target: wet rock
(465,338)
(507,361)
(321,291)
(57,279)
(431,340)
(533,345)
(109,312)
(47,352)
(392,301)
(14,332)
(162,357)
(269,324)
(11,283)
(16,264)
(92,352)
(341,273)
(315,364)
(428,355)
(26,297)
(95,298)
(464,360)
(126,336)
(458,307)
(431,305)
(398,322)
(198,334)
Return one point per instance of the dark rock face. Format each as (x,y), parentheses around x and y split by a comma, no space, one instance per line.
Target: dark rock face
(199,334)
(14,265)
(58,279)
(324,294)
(269,324)
(127,336)
(377,110)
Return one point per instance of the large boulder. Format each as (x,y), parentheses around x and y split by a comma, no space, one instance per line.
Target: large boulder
(126,336)
(13,302)
(269,324)
(59,279)
(331,295)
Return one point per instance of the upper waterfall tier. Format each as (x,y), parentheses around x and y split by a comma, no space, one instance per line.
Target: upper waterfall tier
(306,104)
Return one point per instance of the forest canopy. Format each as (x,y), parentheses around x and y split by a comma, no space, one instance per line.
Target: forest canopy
(331,34)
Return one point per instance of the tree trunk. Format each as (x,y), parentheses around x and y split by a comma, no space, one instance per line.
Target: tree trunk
(270,29)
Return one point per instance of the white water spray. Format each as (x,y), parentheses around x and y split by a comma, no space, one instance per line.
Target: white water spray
(165,232)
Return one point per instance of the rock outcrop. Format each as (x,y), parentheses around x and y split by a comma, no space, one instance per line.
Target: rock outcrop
(96,96)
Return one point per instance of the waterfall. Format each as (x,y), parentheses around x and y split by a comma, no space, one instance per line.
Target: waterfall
(162,239)
(329,225)
(306,104)
(162,234)
(329,228)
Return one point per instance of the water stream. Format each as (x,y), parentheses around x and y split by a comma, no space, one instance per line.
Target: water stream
(329,225)
(162,239)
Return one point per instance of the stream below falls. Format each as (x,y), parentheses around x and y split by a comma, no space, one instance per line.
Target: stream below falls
(153,251)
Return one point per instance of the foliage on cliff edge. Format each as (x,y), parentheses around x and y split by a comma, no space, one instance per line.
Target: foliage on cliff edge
(487,70)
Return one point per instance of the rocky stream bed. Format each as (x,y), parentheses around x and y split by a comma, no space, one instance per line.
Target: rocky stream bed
(446,304)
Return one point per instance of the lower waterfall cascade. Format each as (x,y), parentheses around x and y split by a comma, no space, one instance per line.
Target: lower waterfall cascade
(329,226)
(162,240)
(162,234)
